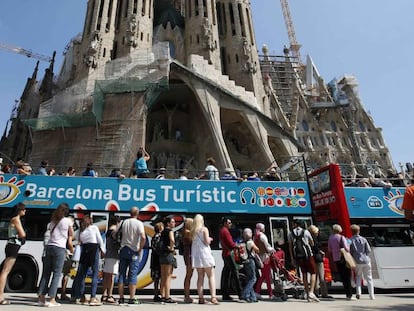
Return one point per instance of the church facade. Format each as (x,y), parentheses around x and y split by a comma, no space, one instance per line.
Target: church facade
(187,81)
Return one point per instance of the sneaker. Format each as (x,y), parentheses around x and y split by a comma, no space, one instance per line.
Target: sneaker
(351,298)
(157,299)
(357,296)
(121,301)
(53,304)
(312,297)
(169,300)
(372,297)
(227,298)
(134,301)
(258,296)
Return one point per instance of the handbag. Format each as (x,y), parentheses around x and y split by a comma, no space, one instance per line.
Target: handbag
(349,260)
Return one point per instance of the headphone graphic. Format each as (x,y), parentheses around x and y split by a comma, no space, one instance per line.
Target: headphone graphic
(252,196)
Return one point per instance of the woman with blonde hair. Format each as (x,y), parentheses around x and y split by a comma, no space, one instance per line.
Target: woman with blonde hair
(202,258)
(187,240)
(318,255)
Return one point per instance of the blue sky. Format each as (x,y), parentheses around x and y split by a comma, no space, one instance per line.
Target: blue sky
(370,39)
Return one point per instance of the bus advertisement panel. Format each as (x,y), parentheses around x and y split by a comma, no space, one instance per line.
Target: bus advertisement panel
(113,194)
(376,203)
(247,203)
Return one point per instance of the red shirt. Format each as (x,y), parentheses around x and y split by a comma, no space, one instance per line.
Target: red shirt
(408,202)
(226,240)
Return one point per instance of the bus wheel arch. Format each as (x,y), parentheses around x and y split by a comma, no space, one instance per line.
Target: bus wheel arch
(23,276)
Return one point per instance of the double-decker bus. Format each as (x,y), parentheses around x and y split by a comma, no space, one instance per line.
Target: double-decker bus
(378,212)
(275,204)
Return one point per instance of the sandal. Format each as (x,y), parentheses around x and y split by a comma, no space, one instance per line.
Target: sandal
(110,299)
(214,301)
(201,301)
(104,298)
(4,302)
(188,300)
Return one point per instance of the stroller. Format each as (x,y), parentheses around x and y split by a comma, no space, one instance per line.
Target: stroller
(284,281)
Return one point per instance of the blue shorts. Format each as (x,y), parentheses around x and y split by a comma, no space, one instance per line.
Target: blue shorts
(128,259)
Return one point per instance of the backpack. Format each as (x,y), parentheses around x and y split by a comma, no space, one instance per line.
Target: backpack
(301,249)
(240,254)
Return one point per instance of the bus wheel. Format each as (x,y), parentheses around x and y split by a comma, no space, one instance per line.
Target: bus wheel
(22,277)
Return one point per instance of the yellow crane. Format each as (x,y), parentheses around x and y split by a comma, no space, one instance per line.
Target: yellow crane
(294,45)
(27,53)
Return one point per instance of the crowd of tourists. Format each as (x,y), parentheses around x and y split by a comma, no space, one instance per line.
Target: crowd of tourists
(121,254)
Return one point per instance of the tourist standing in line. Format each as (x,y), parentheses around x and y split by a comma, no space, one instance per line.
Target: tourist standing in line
(303,257)
(111,261)
(17,237)
(187,240)
(250,266)
(155,261)
(360,250)
(132,242)
(265,251)
(61,234)
(167,259)
(229,274)
(202,258)
(335,243)
(91,247)
(318,254)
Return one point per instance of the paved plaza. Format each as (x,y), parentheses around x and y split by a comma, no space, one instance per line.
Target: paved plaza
(390,302)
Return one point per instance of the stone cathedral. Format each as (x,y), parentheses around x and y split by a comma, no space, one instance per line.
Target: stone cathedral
(186,80)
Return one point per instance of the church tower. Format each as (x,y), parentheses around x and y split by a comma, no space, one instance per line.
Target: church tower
(113,29)
(201,36)
(239,57)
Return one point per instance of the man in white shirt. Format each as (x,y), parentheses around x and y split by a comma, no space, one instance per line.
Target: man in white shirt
(132,242)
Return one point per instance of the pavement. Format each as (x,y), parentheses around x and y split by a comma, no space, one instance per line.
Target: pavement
(385,302)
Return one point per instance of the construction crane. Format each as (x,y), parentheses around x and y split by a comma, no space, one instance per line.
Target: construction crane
(294,45)
(28,53)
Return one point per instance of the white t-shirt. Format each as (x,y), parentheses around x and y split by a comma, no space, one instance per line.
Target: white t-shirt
(212,172)
(132,229)
(59,233)
(91,235)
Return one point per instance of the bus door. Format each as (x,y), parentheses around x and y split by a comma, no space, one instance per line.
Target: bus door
(279,229)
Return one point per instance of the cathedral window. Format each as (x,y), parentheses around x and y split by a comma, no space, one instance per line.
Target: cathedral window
(242,25)
(126,8)
(237,58)
(361,126)
(205,8)
(249,23)
(196,8)
(233,27)
(305,125)
(333,126)
(212,12)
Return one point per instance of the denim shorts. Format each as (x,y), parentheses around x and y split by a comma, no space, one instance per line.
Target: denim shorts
(128,260)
